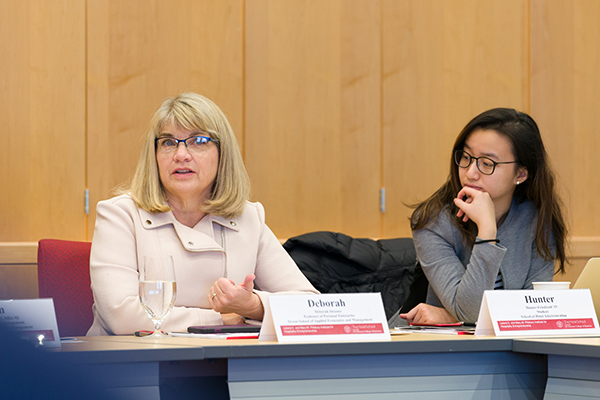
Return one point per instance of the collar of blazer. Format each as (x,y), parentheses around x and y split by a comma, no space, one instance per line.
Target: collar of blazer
(191,239)
(153,221)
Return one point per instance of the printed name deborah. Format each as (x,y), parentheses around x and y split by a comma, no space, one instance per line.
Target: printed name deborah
(321,303)
(347,316)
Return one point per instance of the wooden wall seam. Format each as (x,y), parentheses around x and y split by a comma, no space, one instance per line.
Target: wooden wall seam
(381,118)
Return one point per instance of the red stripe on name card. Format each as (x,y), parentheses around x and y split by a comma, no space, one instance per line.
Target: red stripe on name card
(339,329)
(546,324)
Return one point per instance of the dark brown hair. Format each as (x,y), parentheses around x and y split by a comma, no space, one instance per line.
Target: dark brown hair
(528,148)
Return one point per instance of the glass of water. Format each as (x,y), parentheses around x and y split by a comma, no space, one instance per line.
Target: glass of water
(158,289)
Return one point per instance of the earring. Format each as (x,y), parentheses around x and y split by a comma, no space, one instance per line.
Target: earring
(518,182)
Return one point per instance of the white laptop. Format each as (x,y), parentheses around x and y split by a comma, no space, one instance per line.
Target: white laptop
(590,279)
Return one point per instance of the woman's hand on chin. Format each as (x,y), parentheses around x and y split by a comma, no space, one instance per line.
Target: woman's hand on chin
(227,297)
(477,206)
(427,314)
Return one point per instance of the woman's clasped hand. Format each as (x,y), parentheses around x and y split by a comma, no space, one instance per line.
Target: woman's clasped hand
(477,206)
(227,297)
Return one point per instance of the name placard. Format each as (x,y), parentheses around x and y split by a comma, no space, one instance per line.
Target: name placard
(325,317)
(537,313)
(33,319)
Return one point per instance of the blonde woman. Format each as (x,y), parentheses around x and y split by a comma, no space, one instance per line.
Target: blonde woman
(188,199)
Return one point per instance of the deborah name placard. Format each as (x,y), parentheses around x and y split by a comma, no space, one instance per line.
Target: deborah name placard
(328,317)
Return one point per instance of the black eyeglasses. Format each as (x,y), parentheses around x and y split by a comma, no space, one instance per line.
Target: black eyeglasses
(170,145)
(485,165)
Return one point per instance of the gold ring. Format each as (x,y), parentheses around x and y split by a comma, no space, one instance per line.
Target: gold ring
(213,296)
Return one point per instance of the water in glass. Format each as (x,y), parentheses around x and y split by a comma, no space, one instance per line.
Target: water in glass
(158,289)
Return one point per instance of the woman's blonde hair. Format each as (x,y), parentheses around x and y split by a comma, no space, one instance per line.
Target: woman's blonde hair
(193,112)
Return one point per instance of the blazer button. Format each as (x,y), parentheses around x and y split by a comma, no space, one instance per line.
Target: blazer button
(190,243)
(148,222)
(232,223)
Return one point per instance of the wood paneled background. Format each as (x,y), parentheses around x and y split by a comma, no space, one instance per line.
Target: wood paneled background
(42,119)
(331,100)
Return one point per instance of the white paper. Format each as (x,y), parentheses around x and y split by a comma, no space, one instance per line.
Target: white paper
(484,321)
(537,313)
(34,319)
(328,317)
(267,329)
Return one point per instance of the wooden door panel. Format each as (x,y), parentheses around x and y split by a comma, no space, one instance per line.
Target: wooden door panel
(443,62)
(139,54)
(42,114)
(313,114)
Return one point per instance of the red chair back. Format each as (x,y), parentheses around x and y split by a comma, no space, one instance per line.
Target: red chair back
(64,275)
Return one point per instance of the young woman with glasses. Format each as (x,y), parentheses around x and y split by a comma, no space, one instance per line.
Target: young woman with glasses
(188,199)
(497,222)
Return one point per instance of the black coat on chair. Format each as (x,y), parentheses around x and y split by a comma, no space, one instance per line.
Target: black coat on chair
(337,263)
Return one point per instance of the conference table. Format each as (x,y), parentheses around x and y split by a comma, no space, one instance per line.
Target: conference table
(414,365)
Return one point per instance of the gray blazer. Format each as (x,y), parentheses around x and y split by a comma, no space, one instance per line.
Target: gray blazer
(458,273)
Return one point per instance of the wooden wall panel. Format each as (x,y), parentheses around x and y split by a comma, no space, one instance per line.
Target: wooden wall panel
(313,114)
(139,54)
(443,62)
(330,99)
(18,270)
(565,100)
(42,114)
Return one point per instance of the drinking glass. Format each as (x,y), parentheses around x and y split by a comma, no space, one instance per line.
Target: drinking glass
(157,289)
